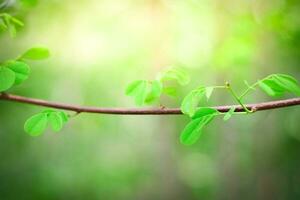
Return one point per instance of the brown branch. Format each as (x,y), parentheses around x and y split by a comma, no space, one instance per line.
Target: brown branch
(147,111)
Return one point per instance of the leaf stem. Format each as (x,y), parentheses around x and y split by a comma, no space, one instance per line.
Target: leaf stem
(238,99)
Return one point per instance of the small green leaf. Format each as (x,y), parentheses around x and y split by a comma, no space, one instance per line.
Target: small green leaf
(7,78)
(56,121)
(64,116)
(138,90)
(21,70)
(209,91)
(202,112)
(288,83)
(193,130)
(176,74)
(191,101)
(36,53)
(154,93)
(229,114)
(170,91)
(36,124)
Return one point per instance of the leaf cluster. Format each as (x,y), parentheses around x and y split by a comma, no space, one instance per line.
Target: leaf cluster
(10,23)
(16,71)
(146,92)
(38,123)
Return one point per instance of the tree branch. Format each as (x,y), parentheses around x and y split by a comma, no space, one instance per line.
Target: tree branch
(147,111)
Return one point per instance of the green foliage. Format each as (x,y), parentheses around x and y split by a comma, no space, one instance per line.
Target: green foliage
(37,124)
(10,23)
(7,78)
(15,72)
(191,101)
(278,84)
(176,74)
(146,92)
(36,53)
(273,85)
(193,130)
(20,69)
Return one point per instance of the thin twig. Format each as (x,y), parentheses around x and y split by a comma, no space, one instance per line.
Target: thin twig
(144,111)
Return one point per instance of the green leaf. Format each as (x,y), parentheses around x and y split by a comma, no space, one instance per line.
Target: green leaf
(277,84)
(3,25)
(20,69)
(36,124)
(229,114)
(176,74)
(138,90)
(7,78)
(63,116)
(170,91)
(11,23)
(193,130)
(288,83)
(154,93)
(191,101)
(270,87)
(209,91)
(56,121)
(36,53)
(202,112)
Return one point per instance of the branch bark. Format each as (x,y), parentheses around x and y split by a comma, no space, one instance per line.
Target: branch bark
(147,111)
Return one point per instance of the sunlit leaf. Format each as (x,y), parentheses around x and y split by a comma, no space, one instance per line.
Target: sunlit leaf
(7,78)
(36,124)
(154,93)
(21,70)
(36,53)
(138,90)
(270,87)
(176,74)
(191,101)
(277,84)
(193,130)
(288,83)
(229,114)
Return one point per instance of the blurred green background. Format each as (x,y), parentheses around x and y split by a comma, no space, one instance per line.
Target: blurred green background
(98,47)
